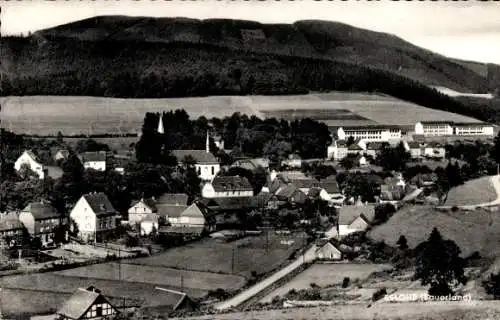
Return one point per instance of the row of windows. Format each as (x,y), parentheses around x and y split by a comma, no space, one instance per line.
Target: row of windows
(232,193)
(212,168)
(10,233)
(99,311)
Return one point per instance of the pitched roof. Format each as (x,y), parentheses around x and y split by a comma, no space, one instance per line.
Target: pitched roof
(150,217)
(99,203)
(10,223)
(341,143)
(94,156)
(314,192)
(304,183)
(32,155)
(181,230)
(231,183)
(234,203)
(173,211)
(370,127)
(327,246)
(468,124)
(291,193)
(347,214)
(414,145)
(42,210)
(251,163)
(176,199)
(193,211)
(200,156)
(166,297)
(148,202)
(63,152)
(433,144)
(328,185)
(76,306)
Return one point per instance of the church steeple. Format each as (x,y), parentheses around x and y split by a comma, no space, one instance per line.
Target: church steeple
(161,130)
(207,144)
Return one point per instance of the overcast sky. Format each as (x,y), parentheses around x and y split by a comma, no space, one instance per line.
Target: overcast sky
(467,30)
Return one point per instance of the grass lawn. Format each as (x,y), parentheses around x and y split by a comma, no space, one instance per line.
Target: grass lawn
(96,115)
(472,192)
(250,254)
(472,231)
(326,275)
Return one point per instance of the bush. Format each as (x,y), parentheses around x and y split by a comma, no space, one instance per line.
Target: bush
(379,294)
(492,286)
(346,282)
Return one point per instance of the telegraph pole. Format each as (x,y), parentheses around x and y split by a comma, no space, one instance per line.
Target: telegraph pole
(232,261)
(182,282)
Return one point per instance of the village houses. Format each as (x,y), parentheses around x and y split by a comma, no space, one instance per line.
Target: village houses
(86,304)
(11,230)
(29,160)
(95,160)
(41,220)
(95,216)
(328,251)
(227,186)
(354,218)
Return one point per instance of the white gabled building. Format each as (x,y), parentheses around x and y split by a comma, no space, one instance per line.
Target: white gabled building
(94,160)
(29,160)
(337,150)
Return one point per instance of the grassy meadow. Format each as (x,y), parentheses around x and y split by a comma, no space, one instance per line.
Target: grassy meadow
(472,192)
(472,231)
(44,115)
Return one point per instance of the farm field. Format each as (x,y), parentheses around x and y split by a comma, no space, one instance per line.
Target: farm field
(94,115)
(47,291)
(158,276)
(214,256)
(472,192)
(326,275)
(476,310)
(472,230)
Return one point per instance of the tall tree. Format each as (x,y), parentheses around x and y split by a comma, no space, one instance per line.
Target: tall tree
(439,264)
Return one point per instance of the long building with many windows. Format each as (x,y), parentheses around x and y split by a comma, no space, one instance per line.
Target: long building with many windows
(370,133)
(450,128)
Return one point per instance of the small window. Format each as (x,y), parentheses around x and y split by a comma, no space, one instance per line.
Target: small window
(213,170)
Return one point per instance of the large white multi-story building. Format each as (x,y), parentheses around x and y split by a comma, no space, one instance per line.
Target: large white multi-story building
(370,133)
(450,128)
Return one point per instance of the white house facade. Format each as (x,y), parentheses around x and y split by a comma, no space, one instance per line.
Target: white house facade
(28,159)
(94,216)
(227,187)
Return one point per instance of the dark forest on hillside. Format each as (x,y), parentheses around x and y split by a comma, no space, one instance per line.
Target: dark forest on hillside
(129,69)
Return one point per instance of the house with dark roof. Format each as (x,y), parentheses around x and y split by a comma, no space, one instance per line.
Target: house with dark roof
(11,230)
(192,216)
(206,164)
(227,186)
(30,160)
(165,302)
(173,199)
(95,216)
(290,194)
(355,149)
(304,185)
(86,304)
(337,150)
(96,160)
(41,220)
(354,218)
(374,148)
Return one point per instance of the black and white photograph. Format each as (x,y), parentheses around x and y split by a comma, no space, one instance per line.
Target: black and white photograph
(249,160)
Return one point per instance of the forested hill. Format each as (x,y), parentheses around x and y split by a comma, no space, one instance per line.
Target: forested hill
(171,57)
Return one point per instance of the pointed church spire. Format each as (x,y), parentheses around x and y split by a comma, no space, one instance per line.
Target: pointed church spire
(160,125)
(207,144)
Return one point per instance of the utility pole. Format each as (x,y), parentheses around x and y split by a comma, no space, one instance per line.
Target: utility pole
(182,282)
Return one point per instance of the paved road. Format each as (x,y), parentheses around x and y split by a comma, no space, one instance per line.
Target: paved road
(495,181)
(235,301)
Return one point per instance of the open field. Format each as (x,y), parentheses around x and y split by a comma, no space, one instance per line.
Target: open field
(49,290)
(240,257)
(326,275)
(94,115)
(158,275)
(472,192)
(475,310)
(472,231)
